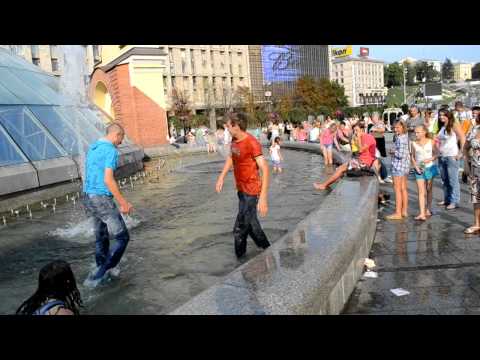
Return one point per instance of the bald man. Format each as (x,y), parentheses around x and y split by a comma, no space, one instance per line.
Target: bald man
(100,190)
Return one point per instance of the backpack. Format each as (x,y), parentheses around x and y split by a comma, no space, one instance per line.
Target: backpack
(48,306)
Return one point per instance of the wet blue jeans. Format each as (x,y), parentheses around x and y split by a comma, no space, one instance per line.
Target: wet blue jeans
(106,220)
(448,166)
(247,224)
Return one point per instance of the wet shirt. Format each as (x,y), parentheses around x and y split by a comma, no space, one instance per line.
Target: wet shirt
(367,157)
(101,155)
(245,167)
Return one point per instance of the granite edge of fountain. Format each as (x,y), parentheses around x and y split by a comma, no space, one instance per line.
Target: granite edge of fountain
(317,278)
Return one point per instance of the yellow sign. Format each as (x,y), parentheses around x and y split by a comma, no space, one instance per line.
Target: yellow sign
(342,52)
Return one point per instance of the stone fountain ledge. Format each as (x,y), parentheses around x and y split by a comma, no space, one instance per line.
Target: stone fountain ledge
(311,270)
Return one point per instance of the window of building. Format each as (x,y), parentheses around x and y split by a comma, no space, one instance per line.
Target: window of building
(212,59)
(174,83)
(204,58)
(341,80)
(194,82)
(53,51)
(170,58)
(240,70)
(165,85)
(54,64)
(183,56)
(231,83)
(35,54)
(192,60)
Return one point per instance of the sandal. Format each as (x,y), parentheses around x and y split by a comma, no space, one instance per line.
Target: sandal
(420,218)
(394,217)
(472,230)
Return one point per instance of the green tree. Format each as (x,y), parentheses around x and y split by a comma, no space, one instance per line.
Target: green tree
(425,71)
(447,70)
(307,94)
(181,107)
(476,71)
(393,75)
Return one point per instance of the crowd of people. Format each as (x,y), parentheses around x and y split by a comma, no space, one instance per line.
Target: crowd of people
(426,144)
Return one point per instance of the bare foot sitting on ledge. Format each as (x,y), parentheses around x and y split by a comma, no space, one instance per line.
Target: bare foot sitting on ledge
(319,186)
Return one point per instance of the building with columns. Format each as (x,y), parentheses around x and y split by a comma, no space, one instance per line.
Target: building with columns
(462,71)
(362,78)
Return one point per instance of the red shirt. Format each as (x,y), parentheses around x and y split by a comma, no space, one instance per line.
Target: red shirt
(245,167)
(367,157)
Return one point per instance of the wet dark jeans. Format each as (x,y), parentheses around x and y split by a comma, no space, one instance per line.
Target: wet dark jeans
(106,220)
(247,224)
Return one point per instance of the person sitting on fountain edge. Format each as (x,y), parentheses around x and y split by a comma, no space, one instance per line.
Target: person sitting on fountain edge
(100,190)
(246,157)
(366,158)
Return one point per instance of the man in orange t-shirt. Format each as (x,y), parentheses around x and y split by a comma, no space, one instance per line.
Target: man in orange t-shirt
(246,158)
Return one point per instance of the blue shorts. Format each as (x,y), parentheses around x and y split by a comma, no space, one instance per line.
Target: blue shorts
(428,173)
(277,163)
(328,147)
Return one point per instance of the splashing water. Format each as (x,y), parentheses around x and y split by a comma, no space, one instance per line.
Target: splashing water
(85,228)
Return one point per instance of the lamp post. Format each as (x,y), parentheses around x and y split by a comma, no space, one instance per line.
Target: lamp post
(268,95)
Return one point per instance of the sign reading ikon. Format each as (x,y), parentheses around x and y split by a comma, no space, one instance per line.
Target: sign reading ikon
(342,52)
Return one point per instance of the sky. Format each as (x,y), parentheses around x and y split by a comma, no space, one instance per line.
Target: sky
(392,53)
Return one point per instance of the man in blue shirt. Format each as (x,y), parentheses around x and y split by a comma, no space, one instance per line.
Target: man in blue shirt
(100,190)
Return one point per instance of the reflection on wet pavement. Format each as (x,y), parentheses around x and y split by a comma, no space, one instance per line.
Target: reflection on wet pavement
(434,260)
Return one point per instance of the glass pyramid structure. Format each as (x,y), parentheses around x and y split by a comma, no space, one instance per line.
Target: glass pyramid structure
(39,123)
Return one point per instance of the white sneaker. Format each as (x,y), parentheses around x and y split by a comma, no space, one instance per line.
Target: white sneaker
(388,180)
(381,181)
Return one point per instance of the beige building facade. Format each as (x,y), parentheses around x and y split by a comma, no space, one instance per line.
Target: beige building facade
(208,75)
(362,79)
(462,71)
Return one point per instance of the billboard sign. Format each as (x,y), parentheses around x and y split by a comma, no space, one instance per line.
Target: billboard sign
(280,63)
(342,52)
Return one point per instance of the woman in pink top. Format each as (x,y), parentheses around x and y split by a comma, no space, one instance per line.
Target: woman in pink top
(326,140)
(302,134)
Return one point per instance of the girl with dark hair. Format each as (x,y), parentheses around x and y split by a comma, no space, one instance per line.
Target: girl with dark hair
(57,292)
(449,132)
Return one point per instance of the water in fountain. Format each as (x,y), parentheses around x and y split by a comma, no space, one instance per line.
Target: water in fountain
(182,245)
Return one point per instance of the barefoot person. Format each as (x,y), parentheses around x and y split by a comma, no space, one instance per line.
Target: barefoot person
(276,155)
(247,158)
(424,154)
(366,158)
(100,190)
(400,169)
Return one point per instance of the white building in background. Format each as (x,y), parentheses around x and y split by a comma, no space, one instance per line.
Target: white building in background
(362,78)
